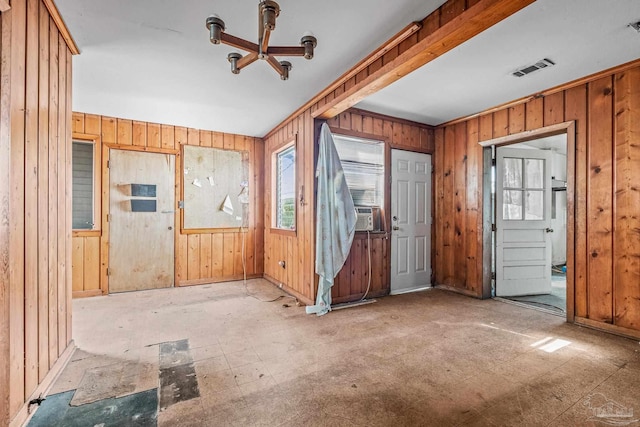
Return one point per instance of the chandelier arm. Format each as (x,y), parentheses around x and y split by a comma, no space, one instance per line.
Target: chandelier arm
(286,50)
(276,65)
(264,41)
(239,43)
(246,60)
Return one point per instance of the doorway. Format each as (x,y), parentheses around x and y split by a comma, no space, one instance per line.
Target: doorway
(141,220)
(531,223)
(410,221)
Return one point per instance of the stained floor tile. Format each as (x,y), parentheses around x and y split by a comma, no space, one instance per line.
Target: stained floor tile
(431,358)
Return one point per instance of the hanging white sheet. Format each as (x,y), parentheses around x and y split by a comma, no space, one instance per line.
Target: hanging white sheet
(335,220)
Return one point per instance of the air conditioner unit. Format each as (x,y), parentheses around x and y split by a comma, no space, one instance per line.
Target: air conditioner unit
(365,218)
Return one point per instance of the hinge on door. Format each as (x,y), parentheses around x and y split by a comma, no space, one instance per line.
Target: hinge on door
(108,217)
(493,162)
(108,271)
(108,164)
(493,276)
(493,227)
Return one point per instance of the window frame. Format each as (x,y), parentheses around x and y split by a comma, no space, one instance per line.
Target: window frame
(93,140)
(274,199)
(372,140)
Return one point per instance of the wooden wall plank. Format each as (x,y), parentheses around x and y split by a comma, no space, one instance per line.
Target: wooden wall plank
(438,183)
(460,206)
(91,257)
(139,134)
(77,261)
(43,194)
(153,136)
(600,202)
(31,199)
(124,132)
(627,193)
(64,168)
(193,257)
(576,109)
(5,217)
(53,193)
(473,206)
(554,109)
(534,117)
(17,179)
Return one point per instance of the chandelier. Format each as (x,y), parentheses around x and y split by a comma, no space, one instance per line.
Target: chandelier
(268,11)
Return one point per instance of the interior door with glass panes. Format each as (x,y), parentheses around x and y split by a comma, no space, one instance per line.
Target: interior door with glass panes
(523,218)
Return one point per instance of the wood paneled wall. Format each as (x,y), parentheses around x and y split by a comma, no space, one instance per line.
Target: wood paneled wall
(606,111)
(35,204)
(200,258)
(298,249)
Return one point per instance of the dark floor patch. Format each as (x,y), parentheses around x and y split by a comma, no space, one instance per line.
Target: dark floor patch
(139,409)
(178,380)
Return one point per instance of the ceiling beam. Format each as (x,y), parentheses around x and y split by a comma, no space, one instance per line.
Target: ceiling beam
(479,17)
(62,27)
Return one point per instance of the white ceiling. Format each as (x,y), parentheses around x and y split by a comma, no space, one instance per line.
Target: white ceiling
(151,60)
(581,36)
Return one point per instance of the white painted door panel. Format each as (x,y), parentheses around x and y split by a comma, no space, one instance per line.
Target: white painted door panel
(410,221)
(523,211)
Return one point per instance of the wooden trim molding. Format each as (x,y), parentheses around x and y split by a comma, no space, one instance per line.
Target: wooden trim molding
(528,135)
(24,415)
(4,5)
(473,21)
(569,129)
(62,27)
(606,327)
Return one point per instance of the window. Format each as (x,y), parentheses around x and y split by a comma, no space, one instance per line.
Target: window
(83,195)
(285,180)
(523,189)
(363,164)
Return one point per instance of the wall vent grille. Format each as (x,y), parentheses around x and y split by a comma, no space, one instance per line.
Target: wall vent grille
(544,63)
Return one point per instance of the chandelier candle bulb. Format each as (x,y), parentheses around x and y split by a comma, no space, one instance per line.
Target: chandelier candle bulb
(216,28)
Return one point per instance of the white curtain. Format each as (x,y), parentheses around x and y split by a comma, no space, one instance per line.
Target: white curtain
(335,220)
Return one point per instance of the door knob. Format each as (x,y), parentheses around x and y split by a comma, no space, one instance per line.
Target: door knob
(395,227)
(170,228)
(395,218)
(549,230)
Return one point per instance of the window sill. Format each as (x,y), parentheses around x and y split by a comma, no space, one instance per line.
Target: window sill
(283,232)
(86,233)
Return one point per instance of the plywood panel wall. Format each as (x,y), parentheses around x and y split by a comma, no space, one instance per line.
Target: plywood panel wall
(205,257)
(35,203)
(606,112)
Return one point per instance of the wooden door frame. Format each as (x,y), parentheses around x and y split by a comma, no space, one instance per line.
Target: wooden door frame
(106,186)
(568,128)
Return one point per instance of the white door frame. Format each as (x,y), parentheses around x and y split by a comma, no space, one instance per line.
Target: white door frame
(569,128)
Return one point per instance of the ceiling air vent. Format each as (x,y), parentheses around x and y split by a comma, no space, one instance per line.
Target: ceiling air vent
(544,63)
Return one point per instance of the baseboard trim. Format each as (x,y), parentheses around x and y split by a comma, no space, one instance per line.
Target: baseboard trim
(607,327)
(23,415)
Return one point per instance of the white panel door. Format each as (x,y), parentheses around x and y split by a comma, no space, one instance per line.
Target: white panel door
(410,221)
(523,219)
(141,208)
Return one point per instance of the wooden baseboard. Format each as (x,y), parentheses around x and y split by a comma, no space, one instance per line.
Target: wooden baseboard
(301,298)
(87,294)
(458,290)
(607,327)
(196,282)
(357,297)
(23,415)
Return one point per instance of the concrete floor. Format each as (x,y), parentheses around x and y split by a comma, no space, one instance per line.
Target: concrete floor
(431,358)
